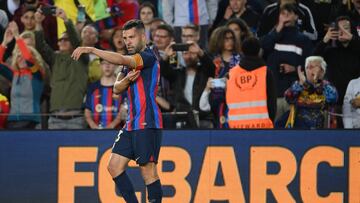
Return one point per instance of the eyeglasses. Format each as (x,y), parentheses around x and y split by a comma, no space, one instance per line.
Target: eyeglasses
(187,36)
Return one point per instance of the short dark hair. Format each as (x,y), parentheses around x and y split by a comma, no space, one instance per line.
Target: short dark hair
(251,46)
(134,23)
(290,7)
(149,5)
(28,8)
(340,18)
(166,27)
(194,27)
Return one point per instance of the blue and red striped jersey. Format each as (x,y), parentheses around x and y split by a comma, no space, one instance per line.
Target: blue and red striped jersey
(143,111)
(102,103)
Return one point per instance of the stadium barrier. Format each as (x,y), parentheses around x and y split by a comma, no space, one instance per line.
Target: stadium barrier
(200,166)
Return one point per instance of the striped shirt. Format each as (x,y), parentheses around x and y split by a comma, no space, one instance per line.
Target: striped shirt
(143,112)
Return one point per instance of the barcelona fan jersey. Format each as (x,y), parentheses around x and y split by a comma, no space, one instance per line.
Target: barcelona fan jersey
(143,111)
(103,104)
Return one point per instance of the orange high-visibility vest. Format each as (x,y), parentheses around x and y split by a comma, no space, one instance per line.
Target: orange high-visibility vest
(246,98)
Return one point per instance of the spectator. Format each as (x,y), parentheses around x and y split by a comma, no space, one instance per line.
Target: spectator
(198,12)
(189,82)
(324,12)
(49,22)
(351,106)
(353,13)
(123,10)
(311,95)
(305,20)
(164,35)
(239,9)
(146,14)
(28,18)
(340,49)
(250,92)
(224,46)
(4,110)
(69,77)
(27,75)
(90,38)
(285,48)
(240,28)
(154,24)
(117,45)
(102,107)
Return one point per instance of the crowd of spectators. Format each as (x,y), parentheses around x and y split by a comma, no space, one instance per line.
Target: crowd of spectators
(304,53)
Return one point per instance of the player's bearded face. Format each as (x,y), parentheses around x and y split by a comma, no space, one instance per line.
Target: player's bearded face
(133,40)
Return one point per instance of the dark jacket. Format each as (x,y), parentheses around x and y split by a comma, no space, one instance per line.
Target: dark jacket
(343,63)
(270,18)
(250,63)
(289,46)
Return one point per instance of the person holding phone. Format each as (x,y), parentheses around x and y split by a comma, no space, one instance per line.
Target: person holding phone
(49,22)
(343,59)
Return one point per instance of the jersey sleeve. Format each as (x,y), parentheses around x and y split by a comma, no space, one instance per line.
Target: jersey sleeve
(144,59)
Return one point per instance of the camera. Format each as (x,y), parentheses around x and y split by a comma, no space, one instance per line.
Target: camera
(48,10)
(180,47)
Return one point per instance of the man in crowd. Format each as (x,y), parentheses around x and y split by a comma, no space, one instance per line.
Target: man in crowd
(285,48)
(340,49)
(69,77)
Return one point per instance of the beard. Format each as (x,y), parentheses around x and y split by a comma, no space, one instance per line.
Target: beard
(136,49)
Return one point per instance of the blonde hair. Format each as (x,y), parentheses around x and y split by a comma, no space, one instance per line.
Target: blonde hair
(35,54)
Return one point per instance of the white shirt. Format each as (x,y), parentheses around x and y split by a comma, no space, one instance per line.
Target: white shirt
(188,90)
(351,117)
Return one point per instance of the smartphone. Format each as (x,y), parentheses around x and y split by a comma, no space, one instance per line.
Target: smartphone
(180,47)
(48,10)
(81,16)
(218,83)
(334,26)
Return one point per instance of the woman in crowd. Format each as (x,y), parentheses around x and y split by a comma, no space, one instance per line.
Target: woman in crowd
(27,75)
(311,96)
(223,45)
(146,15)
(240,28)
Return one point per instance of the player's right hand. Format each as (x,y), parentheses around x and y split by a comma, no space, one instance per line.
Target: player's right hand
(81,50)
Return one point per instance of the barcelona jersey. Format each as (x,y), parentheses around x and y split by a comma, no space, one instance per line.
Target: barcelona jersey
(103,104)
(143,111)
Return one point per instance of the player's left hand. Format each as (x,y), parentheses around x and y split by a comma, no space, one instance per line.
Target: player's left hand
(133,75)
(81,50)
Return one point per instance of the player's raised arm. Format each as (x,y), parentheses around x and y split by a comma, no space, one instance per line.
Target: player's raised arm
(110,56)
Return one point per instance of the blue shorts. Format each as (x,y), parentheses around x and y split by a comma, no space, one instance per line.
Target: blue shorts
(143,146)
